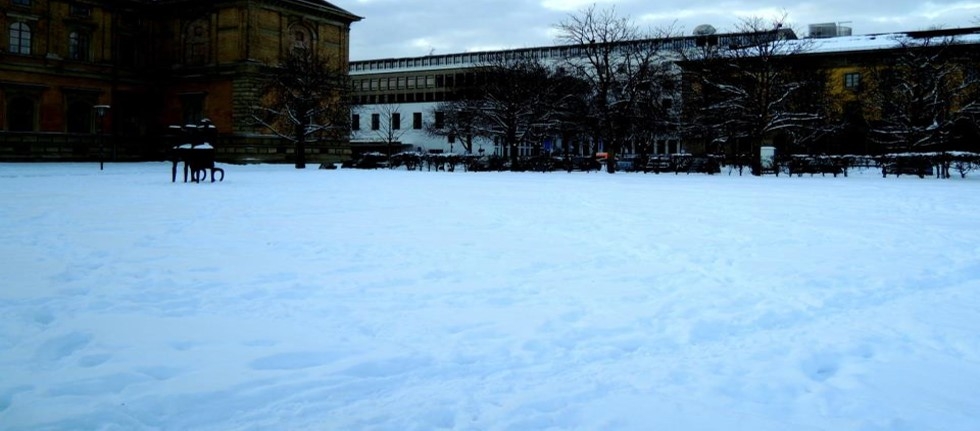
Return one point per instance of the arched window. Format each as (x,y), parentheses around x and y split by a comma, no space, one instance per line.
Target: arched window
(20,38)
(78,45)
(301,37)
(197,43)
(20,114)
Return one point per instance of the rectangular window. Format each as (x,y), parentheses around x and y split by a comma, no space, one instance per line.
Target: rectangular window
(78,46)
(852,81)
(20,38)
(375,121)
(440,120)
(80,10)
(396,121)
(417,120)
(355,122)
(192,107)
(21,114)
(128,51)
(197,53)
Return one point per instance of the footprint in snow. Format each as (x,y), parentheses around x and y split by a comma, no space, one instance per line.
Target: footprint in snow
(821,367)
(62,346)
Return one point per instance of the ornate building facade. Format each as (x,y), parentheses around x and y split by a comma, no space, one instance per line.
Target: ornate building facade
(155,64)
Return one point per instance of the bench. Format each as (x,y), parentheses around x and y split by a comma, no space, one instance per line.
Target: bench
(198,162)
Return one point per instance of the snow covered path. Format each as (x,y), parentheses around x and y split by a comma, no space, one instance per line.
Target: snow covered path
(392,300)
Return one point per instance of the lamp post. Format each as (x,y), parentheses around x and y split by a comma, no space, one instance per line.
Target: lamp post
(100,111)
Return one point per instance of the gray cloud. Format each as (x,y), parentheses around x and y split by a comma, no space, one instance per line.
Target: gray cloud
(401,28)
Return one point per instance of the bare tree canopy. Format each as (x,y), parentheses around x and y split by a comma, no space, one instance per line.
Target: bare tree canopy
(388,126)
(629,72)
(461,119)
(305,98)
(923,95)
(752,87)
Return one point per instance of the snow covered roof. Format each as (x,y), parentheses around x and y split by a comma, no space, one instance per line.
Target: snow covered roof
(789,44)
(872,42)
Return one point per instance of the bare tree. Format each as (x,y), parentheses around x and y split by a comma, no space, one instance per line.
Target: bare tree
(511,102)
(569,119)
(628,72)
(306,97)
(922,93)
(460,119)
(387,127)
(748,89)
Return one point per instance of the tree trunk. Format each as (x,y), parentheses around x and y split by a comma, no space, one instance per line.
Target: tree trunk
(512,145)
(300,147)
(612,149)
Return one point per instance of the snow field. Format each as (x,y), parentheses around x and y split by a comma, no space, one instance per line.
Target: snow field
(393,300)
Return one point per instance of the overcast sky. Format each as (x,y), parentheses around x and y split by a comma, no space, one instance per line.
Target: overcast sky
(405,28)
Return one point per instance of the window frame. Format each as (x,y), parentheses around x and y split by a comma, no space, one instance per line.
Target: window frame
(18,42)
(193,107)
(16,114)
(302,37)
(79,10)
(79,45)
(79,117)
(197,42)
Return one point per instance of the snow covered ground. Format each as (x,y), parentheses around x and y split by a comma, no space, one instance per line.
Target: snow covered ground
(393,300)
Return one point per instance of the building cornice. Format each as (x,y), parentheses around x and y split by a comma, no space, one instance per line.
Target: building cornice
(313,7)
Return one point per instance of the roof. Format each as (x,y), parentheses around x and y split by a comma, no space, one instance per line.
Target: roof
(321,5)
(336,9)
(789,44)
(883,41)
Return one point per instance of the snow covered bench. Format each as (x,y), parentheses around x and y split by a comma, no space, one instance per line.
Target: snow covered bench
(198,161)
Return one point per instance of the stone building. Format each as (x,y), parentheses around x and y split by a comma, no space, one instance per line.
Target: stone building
(155,63)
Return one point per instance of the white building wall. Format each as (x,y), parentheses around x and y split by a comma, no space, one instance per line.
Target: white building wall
(420,139)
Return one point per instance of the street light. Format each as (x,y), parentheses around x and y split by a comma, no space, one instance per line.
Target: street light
(100,111)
